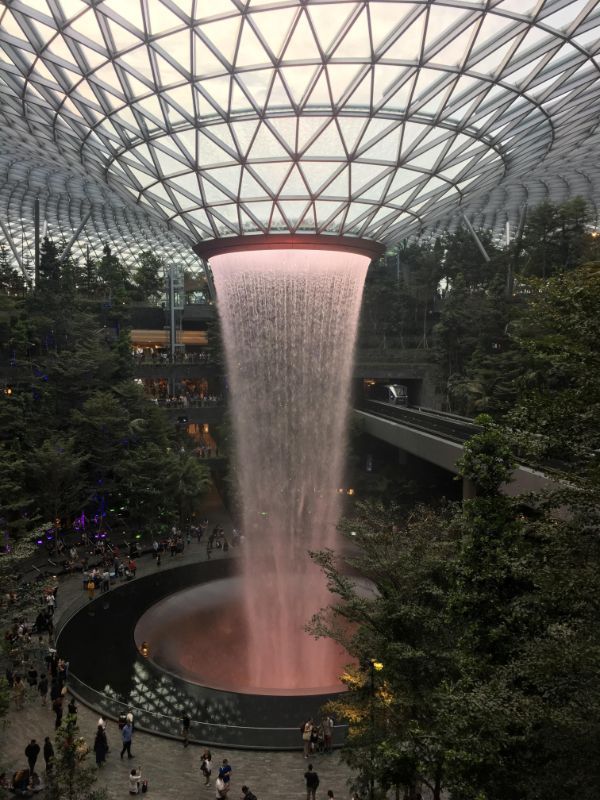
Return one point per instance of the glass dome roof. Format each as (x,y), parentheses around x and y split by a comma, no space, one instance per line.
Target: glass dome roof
(378,118)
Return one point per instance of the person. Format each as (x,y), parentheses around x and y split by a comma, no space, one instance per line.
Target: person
(330,794)
(225,771)
(185,728)
(91,588)
(100,746)
(72,707)
(43,689)
(206,766)
(57,707)
(221,789)
(48,754)
(32,752)
(306,733)
(314,739)
(129,719)
(127,734)
(18,692)
(312,782)
(135,780)
(102,722)
(247,794)
(327,733)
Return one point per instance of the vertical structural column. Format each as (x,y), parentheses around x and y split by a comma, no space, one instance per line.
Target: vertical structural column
(36,232)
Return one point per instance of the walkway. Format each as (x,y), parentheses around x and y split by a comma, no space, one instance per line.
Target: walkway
(173,771)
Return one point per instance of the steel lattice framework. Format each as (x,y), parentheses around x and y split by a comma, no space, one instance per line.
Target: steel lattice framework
(211,118)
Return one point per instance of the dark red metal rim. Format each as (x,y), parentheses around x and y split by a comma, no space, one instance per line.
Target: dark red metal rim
(300,241)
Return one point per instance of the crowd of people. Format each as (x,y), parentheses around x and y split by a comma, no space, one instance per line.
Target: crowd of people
(44,674)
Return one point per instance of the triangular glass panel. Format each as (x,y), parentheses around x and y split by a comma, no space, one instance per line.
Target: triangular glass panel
(489,65)
(250,188)
(229,177)
(250,51)
(411,134)
(328,19)
(325,209)
(404,179)
(454,53)
(376,192)
(385,18)
(356,42)
(293,210)
(286,129)
(122,37)
(209,153)
(261,210)
(256,84)
(162,18)
(327,145)
(316,173)
(205,61)
(221,134)
(320,96)
(341,78)
(222,35)
(362,175)
(218,90)
(355,211)
(265,145)
(248,223)
(166,71)
(168,164)
(302,45)
(134,11)
(272,174)
(278,222)
(274,26)
(297,80)
(362,95)
(213,194)
(278,97)
(385,78)
(308,126)
(407,46)
(183,202)
(294,185)
(566,16)
(244,131)
(340,186)
(240,101)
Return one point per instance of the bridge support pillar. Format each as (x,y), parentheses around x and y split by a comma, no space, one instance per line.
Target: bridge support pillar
(468,489)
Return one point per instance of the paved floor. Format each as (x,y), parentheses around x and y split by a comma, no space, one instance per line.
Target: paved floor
(173,772)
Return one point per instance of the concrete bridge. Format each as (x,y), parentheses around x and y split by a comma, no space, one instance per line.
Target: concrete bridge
(438,438)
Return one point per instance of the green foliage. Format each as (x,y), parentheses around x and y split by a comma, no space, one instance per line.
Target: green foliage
(76,430)
(72,778)
(148,277)
(485,620)
(559,399)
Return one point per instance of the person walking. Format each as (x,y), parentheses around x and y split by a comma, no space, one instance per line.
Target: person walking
(312,782)
(57,707)
(206,766)
(127,734)
(225,772)
(100,746)
(48,754)
(43,689)
(32,752)
(185,728)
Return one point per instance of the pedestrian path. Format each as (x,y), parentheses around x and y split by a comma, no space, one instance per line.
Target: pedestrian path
(173,771)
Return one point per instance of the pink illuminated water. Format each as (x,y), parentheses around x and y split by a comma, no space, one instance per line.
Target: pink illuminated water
(289,321)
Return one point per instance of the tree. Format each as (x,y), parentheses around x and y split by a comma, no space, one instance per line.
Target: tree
(56,474)
(559,395)
(71,778)
(148,277)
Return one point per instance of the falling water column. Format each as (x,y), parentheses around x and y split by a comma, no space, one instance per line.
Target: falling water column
(289,320)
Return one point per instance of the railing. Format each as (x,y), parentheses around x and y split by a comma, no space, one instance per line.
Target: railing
(207,733)
(448,426)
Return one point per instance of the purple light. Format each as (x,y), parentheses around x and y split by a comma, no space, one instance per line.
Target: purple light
(40,541)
